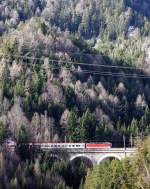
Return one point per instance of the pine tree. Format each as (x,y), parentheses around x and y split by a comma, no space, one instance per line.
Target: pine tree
(73,127)
(88,125)
(133,128)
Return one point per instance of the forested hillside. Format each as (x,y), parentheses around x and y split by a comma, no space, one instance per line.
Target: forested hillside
(83,17)
(78,71)
(74,69)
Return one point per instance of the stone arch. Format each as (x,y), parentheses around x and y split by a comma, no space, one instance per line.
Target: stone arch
(107,156)
(84,157)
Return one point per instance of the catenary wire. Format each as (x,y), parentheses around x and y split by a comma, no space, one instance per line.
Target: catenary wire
(97,72)
(75,63)
(137,76)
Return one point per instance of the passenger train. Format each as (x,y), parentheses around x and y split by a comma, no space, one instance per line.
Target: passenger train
(51,145)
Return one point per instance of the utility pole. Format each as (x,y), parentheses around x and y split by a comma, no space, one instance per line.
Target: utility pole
(51,132)
(124,143)
(49,128)
(131,141)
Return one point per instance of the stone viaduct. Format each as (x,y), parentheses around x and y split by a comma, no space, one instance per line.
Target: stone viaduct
(96,156)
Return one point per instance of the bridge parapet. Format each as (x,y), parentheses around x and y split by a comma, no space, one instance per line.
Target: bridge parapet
(115,150)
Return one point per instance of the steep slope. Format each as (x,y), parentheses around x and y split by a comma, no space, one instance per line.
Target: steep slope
(54,85)
(84,17)
(111,26)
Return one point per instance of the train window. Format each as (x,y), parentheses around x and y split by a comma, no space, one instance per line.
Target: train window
(73,145)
